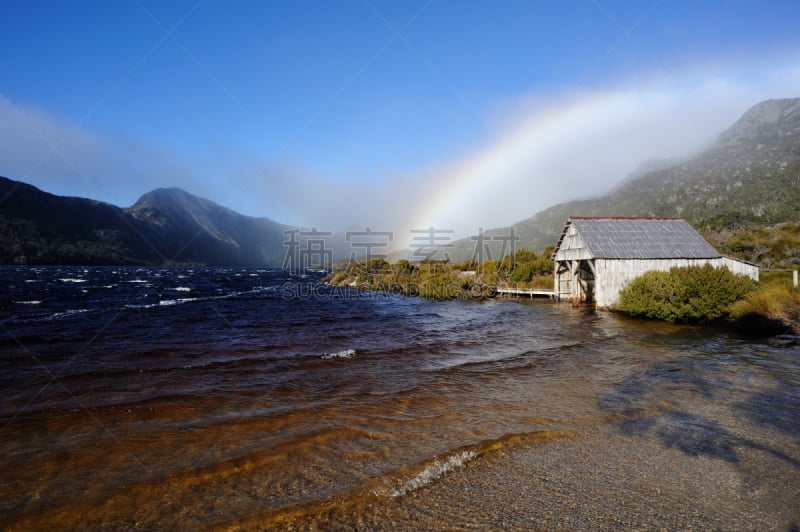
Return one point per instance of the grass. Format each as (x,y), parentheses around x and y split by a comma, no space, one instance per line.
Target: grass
(773,307)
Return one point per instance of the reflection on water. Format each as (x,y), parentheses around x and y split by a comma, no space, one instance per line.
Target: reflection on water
(231,405)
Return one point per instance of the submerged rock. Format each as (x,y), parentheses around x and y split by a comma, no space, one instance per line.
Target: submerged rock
(785,340)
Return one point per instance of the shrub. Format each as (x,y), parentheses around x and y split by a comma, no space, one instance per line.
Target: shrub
(542,281)
(338,277)
(522,273)
(695,294)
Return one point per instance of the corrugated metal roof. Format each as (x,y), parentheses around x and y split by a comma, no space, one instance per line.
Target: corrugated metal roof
(642,238)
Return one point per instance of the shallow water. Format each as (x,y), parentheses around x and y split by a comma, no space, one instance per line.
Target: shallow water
(210,397)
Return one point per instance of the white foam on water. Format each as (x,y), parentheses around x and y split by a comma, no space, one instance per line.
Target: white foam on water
(137,307)
(182,289)
(430,473)
(31,302)
(347,353)
(72,280)
(67,313)
(264,289)
(177,301)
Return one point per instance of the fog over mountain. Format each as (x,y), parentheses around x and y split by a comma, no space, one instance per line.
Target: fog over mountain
(536,150)
(749,176)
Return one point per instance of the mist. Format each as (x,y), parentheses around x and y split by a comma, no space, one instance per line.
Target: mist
(60,157)
(542,149)
(537,150)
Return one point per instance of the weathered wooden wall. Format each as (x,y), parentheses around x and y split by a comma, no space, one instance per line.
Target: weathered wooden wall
(613,274)
(572,246)
(740,268)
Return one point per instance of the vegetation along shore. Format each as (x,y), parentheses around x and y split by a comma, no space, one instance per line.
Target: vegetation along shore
(695,295)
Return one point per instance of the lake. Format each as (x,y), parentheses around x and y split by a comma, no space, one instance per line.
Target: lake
(224,398)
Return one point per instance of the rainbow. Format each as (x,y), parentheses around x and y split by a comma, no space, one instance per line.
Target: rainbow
(512,158)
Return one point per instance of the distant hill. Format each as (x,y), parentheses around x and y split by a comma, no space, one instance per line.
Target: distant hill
(195,229)
(166,226)
(749,178)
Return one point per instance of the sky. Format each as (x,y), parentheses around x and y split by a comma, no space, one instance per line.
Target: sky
(393,115)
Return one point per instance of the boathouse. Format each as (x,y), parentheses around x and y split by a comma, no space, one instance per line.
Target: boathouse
(597,256)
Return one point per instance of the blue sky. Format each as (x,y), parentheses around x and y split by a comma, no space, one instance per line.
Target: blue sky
(372,112)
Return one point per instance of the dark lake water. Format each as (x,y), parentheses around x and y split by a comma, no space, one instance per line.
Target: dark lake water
(193,398)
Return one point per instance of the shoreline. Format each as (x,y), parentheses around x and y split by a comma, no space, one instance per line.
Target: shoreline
(755,324)
(597,479)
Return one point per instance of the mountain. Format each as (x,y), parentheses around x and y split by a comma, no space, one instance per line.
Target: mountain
(166,226)
(750,177)
(195,229)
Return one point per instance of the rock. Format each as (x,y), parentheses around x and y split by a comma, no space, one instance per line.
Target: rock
(785,340)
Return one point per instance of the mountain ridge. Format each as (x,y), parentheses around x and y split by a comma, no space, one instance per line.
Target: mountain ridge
(749,177)
(165,226)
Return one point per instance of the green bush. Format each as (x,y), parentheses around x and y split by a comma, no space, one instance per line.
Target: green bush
(693,294)
(522,273)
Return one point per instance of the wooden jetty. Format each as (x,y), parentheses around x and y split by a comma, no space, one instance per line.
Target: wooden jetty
(531,292)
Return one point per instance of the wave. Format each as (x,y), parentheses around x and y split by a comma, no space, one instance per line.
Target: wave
(432,471)
(65,313)
(165,302)
(399,483)
(429,471)
(463,360)
(179,301)
(347,353)
(510,359)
